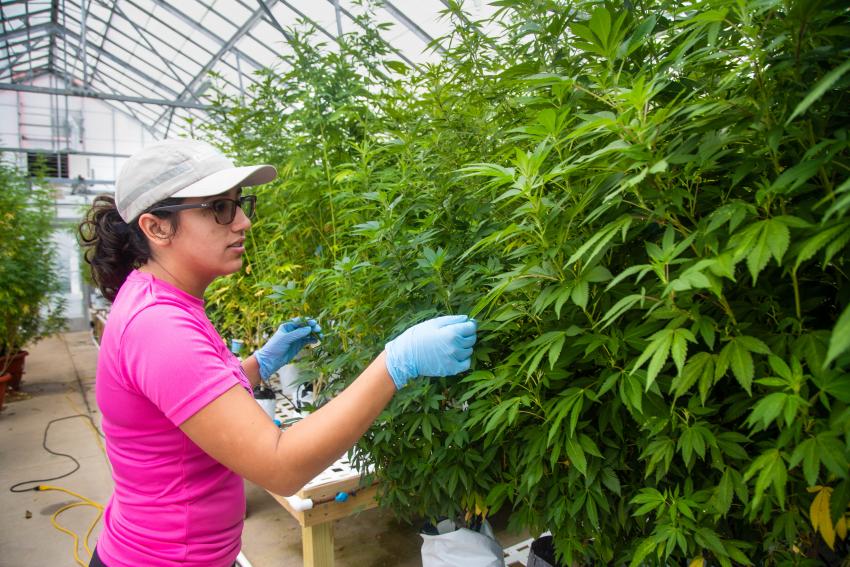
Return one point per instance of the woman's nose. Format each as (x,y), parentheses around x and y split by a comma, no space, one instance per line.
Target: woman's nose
(240,220)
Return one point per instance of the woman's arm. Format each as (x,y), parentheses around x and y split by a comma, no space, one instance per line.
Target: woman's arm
(252,370)
(235,431)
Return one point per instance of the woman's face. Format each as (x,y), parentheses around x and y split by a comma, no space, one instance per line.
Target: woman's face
(202,248)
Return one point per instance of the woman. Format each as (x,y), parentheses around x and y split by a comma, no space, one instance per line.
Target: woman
(181,425)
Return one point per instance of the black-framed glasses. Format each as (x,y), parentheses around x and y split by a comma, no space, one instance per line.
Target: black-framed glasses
(224,209)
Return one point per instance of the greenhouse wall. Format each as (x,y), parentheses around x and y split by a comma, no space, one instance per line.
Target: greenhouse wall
(96,137)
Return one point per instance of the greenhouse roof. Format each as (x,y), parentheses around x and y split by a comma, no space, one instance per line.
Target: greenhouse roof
(152,59)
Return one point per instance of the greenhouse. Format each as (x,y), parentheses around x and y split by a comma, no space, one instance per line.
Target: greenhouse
(437,282)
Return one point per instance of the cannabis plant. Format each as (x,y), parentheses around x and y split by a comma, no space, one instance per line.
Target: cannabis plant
(645,205)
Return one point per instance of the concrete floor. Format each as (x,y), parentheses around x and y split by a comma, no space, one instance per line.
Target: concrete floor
(59,382)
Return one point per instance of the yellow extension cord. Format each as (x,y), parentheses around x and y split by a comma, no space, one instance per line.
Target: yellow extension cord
(83,502)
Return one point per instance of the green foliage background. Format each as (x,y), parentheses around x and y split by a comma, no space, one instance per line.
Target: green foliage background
(30,307)
(646,207)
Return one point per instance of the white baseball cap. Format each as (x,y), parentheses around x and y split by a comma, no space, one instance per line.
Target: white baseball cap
(180,168)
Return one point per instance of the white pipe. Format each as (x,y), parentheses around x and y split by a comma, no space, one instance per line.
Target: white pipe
(300,504)
(242,561)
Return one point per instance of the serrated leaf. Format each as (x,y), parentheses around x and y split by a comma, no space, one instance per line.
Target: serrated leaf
(738,357)
(698,365)
(823,85)
(767,409)
(723,492)
(743,368)
(679,347)
(839,501)
(771,238)
(555,351)
(827,235)
(580,293)
(576,455)
(563,296)
(839,341)
(610,480)
(778,365)
(598,274)
(601,239)
(753,344)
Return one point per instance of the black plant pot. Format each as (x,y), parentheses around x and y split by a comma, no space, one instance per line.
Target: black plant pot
(542,553)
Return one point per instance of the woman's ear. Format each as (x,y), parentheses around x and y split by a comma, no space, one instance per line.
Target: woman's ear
(157,230)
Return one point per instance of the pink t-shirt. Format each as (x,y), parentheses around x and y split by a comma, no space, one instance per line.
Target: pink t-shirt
(160,362)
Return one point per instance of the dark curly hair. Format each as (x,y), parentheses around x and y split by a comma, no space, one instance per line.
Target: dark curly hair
(113,248)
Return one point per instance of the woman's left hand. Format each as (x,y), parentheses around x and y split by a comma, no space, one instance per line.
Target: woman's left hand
(287,341)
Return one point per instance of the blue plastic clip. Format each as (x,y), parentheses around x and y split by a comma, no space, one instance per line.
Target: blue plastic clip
(341,496)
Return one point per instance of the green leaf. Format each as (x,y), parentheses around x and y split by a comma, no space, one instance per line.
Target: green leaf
(576,455)
(767,409)
(555,350)
(679,347)
(737,355)
(753,344)
(839,341)
(610,480)
(819,89)
(621,307)
(833,453)
(826,236)
(580,294)
(771,238)
(709,539)
(397,66)
(840,500)
(601,239)
(598,274)
(658,350)
(807,452)
(771,470)
(723,492)
(646,547)
(699,365)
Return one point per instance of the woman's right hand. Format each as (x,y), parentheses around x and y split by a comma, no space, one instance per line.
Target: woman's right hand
(282,347)
(437,347)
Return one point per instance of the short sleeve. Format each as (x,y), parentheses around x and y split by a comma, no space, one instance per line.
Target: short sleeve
(170,356)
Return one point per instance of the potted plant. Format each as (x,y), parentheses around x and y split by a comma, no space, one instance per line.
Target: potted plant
(30,307)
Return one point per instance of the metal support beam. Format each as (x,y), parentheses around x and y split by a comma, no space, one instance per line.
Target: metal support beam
(101,96)
(169,7)
(83,34)
(120,63)
(228,45)
(275,24)
(27,31)
(106,31)
(54,19)
(338,18)
(127,110)
(411,25)
(67,151)
(118,46)
(141,33)
(36,73)
(14,59)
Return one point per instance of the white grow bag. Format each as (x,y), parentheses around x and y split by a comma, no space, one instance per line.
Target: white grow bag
(456,547)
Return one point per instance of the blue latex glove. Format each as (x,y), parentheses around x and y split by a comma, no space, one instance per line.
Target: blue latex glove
(289,338)
(437,347)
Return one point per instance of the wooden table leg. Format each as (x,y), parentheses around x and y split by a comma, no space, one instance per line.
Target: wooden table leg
(318,542)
